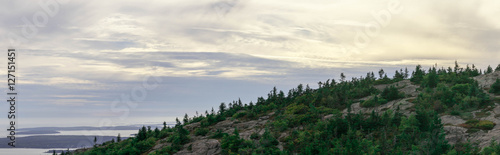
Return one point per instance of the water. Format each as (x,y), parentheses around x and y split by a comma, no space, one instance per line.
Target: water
(25,151)
(123,133)
(33,151)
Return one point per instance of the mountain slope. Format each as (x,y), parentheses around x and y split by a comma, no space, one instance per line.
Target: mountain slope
(433,112)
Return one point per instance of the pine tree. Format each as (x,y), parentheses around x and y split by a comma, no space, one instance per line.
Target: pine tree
(177,122)
(417,75)
(119,138)
(381,73)
(186,119)
(498,68)
(142,134)
(406,74)
(156,132)
(431,80)
(495,87)
(222,108)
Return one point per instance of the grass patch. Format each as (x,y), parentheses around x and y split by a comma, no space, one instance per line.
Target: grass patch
(482,114)
(478,124)
(485,125)
(473,130)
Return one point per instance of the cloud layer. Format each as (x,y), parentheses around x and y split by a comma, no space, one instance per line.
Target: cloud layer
(90,52)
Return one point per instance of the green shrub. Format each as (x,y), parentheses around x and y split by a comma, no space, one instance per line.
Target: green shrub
(461,88)
(239,114)
(218,134)
(255,136)
(201,131)
(495,88)
(485,125)
(391,93)
(477,124)
(375,101)
(455,112)
(472,122)
(280,125)
(473,130)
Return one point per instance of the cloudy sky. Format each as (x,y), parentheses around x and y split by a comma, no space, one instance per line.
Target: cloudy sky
(123,62)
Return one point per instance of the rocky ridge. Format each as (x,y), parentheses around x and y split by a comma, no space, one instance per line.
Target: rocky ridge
(455,132)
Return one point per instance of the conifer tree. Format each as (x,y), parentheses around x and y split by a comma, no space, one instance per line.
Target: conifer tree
(222,108)
(186,119)
(381,73)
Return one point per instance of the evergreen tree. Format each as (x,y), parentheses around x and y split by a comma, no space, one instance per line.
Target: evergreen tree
(431,79)
(177,122)
(457,68)
(498,68)
(142,135)
(156,132)
(417,75)
(381,73)
(119,138)
(222,108)
(406,74)
(495,87)
(186,119)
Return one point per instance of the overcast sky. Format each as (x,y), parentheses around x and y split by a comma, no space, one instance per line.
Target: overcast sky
(77,59)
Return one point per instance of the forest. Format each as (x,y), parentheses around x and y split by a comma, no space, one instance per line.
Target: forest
(299,114)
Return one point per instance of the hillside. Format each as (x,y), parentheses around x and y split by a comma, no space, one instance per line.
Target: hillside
(433,111)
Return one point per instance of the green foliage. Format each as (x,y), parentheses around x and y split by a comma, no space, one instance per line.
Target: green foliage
(495,88)
(200,131)
(391,93)
(485,125)
(255,136)
(493,148)
(417,75)
(218,134)
(268,140)
(479,124)
(298,119)
(239,114)
(375,101)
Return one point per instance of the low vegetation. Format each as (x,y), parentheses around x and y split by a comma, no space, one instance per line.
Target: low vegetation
(297,123)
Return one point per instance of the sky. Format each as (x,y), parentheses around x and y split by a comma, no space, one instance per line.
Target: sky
(101,63)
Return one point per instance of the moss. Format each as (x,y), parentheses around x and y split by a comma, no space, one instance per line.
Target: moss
(485,125)
(473,130)
(477,124)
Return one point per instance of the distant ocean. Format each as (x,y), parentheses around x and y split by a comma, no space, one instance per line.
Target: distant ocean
(52,136)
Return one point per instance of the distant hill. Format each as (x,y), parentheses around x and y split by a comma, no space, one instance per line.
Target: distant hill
(429,111)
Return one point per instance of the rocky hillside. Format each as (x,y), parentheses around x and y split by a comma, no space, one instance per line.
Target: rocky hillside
(437,111)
